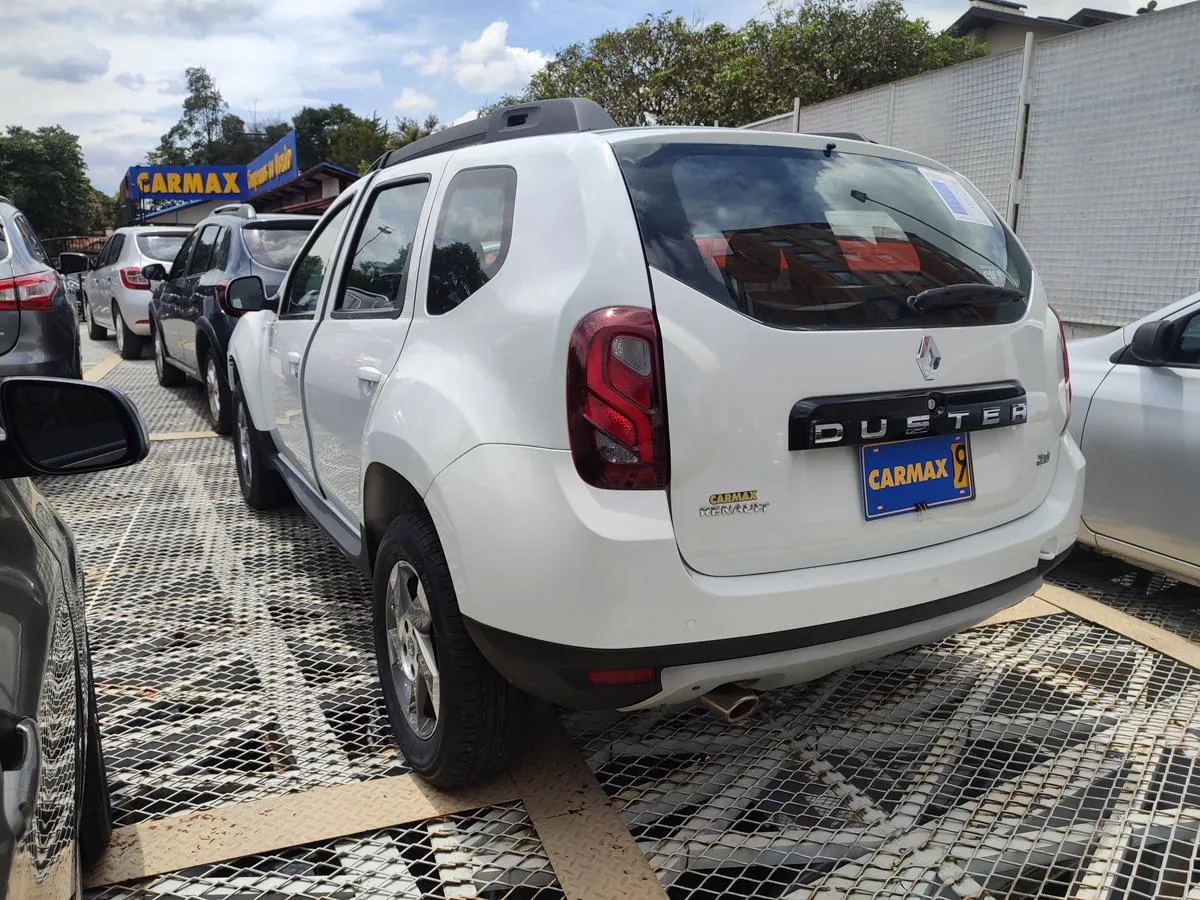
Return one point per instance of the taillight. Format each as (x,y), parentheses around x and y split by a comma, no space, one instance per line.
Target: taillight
(1064,365)
(221,292)
(31,292)
(616,413)
(132,278)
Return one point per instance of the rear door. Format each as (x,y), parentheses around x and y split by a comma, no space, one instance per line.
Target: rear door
(815,416)
(106,280)
(192,293)
(363,331)
(171,297)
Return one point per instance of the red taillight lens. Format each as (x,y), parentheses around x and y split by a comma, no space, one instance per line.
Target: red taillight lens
(31,292)
(132,278)
(616,413)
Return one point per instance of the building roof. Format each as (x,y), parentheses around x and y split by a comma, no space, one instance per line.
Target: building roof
(293,196)
(984,16)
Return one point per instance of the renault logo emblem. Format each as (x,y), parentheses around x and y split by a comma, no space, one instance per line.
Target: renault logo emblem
(928,358)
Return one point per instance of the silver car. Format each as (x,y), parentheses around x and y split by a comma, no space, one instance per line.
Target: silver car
(116,296)
(1136,415)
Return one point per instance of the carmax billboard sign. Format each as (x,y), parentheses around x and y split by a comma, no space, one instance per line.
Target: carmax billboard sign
(276,166)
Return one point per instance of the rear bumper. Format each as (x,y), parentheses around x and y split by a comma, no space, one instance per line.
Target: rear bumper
(47,344)
(557,579)
(135,309)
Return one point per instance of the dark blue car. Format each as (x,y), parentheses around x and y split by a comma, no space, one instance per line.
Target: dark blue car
(190,322)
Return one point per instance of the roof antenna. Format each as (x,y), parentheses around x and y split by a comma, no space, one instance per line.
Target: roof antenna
(829,148)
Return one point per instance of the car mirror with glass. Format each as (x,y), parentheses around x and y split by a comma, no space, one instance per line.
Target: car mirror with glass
(154,272)
(61,426)
(246,294)
(1151,344)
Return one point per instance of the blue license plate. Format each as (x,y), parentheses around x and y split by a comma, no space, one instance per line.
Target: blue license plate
(904,476)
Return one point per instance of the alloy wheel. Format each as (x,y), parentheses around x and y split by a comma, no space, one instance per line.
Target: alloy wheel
(212,386)
(411,654)
(243,443)
(159,361)
(119,328)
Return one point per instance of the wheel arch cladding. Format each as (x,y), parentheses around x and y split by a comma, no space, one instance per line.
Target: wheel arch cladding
(386,495)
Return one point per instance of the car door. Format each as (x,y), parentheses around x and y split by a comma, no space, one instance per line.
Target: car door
(1140,440)
(41,742)
(363,330)
(191,300)
(169,300)
(288,336)
(91,282)
(101,298)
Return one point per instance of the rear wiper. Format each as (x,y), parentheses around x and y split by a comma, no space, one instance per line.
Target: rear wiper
(962,295)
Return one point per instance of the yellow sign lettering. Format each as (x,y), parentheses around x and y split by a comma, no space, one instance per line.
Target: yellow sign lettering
(231,183)
(193,183)
(212,184)
(143,182)
(158,184)
(873,479)
(173,184)
(941,469)
(885,479)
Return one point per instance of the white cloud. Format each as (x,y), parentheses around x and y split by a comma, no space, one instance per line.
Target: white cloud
(489,64)
(413,101)
(469,116)
(133,81)
(485,65)
(74,62)
(329,77)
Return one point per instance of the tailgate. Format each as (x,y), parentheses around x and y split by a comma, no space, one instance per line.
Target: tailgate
(815,416)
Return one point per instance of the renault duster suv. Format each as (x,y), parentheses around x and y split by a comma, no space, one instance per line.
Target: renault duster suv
(626,417)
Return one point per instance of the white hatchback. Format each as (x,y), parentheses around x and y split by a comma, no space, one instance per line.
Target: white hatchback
(626,417)
(116,296)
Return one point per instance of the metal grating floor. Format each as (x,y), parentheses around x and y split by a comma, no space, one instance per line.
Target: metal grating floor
(1157,599)
(1047,757)
(166,410)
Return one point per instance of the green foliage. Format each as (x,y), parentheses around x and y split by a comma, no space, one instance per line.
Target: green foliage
(409,130)
(44,174)
(666,70)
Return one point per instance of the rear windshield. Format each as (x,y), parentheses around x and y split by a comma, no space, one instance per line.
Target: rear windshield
(162,247)
(797,239)
(276,246)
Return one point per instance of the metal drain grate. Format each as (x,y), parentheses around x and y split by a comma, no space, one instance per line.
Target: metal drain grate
(490,854)
(1045,758)
(232,650)
(1156,599)
(164,409)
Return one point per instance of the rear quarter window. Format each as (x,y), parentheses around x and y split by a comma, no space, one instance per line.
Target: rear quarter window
(795,238)
(275,247)
(474,230)
(161,247)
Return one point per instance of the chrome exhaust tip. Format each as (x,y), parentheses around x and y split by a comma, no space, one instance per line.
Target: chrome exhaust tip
(731,703)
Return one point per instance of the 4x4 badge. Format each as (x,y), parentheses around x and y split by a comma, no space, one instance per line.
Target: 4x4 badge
(928,358)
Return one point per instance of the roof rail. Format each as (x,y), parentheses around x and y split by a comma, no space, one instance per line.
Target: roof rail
(562,116)
(844,135)
(245,210)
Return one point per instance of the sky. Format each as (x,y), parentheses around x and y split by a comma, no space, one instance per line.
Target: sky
(113,72)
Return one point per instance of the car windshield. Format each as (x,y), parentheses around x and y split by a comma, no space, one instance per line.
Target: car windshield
(161,247)
(802,238)
(276,246)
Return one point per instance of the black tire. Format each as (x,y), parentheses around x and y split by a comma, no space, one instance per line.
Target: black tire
(219,406)
(262,486)
(95,332)
(129,345)
(481,717)
(95,815)
(168,375)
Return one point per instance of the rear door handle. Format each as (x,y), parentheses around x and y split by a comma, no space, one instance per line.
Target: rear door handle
(293,359)
(20,783)
(370,374)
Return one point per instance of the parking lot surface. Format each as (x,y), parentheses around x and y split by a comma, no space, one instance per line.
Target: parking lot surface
(1049,753)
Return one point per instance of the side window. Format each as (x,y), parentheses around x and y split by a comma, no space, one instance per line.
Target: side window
(180,264)
(31,240)
(375,279)
(311,268)
(1186,351)
(474,229)
(105,252)
(221,255)
(204,248)
(118,244)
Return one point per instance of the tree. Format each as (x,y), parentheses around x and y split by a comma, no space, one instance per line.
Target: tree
(44,174)
(409,130)
(666,70)
(316,128)
(193,140)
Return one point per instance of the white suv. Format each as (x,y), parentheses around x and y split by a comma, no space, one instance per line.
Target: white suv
(626,417)
(116,295)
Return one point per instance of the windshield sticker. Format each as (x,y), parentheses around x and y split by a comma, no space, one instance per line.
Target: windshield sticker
(871,241)
(958,200)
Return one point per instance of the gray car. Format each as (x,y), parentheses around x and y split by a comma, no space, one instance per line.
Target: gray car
(1136,416)
(39,334)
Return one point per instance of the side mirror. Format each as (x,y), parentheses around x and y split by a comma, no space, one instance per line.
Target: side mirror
(1151,345)
(245,294)
(73,263)
(154,272)
(60,426)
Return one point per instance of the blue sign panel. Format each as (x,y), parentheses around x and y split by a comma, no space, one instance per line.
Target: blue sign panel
(188,182)
(275,166)
(904,476)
